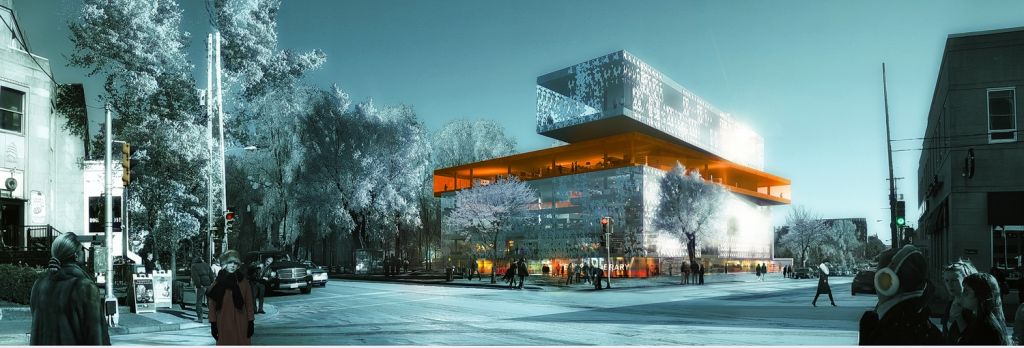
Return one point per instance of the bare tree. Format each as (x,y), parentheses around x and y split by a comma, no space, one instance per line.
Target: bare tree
(485,212)
(688,207)
(805,232)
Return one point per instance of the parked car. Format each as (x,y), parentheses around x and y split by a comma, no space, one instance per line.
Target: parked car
(802,273)
(285,274)
(319,274)
(863,282)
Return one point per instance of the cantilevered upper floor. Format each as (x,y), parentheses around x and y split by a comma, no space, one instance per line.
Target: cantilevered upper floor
(615,151)
(618,93)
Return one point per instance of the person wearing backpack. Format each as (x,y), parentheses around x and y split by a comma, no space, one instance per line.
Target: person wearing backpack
(202,278)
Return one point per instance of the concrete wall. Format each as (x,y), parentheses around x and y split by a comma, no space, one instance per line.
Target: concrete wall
(45,154)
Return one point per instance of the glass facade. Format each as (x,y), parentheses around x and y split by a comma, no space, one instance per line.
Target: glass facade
(620,85)
(627,126)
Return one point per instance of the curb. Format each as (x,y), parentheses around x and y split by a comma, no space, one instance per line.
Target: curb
(15,313)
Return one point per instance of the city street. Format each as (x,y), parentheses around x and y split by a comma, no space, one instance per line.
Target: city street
(777,312)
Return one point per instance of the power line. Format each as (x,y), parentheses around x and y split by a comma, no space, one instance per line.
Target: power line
(20,36)
(977,147)
(956,136)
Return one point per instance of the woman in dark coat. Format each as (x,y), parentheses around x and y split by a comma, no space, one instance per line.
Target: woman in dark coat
(65,303)
(823,287)
(231,304)
(982,297)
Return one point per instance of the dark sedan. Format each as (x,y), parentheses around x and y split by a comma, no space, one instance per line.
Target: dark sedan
(802,273)
(863,282)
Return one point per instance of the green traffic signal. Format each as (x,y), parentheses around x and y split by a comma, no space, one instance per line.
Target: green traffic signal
(900,221)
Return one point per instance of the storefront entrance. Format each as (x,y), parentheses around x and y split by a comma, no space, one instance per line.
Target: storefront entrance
(1008,250)
(12,216)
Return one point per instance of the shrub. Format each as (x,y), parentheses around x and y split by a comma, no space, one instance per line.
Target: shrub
(16,282)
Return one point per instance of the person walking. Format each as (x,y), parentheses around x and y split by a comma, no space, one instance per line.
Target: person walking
(586,273)
(261,284)
(475,270)
(682,272)
(202,279)
(953,321)
(64,302)
(757,272)
(764,271)
(901,315)
(511,273)
(522,272)
(823,287)
(231,304)
(983,298)
(700,271)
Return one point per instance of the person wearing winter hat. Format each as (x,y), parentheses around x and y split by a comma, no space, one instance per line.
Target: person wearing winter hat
(231,304)
(955,319)
(901,316)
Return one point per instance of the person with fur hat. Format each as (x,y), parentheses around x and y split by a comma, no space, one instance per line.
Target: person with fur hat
(983,298)
(901,315)
(65,303)
(231,303)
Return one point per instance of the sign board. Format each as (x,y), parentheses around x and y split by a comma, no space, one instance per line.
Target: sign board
(96,213)
(142,294)
(38,203)
(100,259)
(162,289)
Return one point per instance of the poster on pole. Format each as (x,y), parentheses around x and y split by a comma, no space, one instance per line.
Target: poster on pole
(142,294)
(162,289)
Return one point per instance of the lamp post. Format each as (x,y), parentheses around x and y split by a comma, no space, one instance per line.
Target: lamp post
(110,302)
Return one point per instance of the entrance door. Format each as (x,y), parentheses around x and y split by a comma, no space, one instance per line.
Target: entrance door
(1008,251)
(12,216)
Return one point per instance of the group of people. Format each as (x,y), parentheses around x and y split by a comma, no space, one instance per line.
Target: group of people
(761,271)
(692,273)
(974,315)
(584,273)
(67,308)
(517,270)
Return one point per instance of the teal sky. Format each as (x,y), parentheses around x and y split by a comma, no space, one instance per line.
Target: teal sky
(806,75)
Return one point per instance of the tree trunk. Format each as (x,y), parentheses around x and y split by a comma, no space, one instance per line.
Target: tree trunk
(494,259)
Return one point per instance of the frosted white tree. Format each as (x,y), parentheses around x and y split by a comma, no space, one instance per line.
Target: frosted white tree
(370,162)
(688,207)
(265,102)
(806,231)
(462,141)
(839,243)
(140,50)
(485,213)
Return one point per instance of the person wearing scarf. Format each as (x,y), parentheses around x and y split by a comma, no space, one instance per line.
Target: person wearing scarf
(65,303)
(231,304)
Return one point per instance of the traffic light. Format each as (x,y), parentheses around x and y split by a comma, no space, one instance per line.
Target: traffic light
(126,163)
(604,231)
(603,241)
(901,218)
(229,220)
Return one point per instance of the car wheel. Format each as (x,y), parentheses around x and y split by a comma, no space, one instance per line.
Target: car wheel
(306,291)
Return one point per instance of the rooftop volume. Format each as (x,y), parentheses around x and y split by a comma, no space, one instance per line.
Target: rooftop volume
(619,93)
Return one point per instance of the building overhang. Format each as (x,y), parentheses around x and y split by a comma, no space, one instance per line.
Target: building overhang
(616,151)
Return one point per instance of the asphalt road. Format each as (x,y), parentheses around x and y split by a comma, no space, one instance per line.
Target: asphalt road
(777,312)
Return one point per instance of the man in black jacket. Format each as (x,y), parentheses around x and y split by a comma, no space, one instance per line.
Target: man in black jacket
(901,316)
(202,278)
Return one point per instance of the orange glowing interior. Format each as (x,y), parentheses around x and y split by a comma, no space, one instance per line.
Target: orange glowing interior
(627,149)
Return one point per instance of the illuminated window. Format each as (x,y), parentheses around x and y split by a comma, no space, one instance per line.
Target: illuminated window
(12,109)
(1002,114)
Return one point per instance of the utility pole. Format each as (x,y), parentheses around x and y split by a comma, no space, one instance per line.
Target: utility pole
(209,147)
(108,224)
(223,173)
(892,182)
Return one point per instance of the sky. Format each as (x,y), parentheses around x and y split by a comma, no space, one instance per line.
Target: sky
(805,75)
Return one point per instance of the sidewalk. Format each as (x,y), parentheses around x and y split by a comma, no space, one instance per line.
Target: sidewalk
(16,321)
(550,282)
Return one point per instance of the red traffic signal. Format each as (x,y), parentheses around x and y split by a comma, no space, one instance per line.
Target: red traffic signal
(229,215)
(604,221)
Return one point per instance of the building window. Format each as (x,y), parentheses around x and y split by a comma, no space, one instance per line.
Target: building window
(12,109)
(1002,115)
